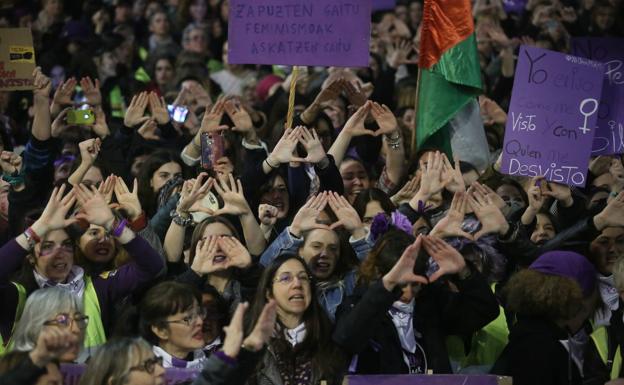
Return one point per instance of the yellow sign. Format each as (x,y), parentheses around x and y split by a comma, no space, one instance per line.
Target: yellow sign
(21,54)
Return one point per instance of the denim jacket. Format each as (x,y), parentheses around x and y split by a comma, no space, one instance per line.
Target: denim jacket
(330,294)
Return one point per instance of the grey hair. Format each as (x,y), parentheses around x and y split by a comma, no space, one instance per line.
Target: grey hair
(112,362)
(41,306)
(186,33)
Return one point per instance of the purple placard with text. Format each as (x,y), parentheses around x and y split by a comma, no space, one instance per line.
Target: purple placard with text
(514,6)
(308,32)
(382,5)
(552,116)
(73,372)
(609,137)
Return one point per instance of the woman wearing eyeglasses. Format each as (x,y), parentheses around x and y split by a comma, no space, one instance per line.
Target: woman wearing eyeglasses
(171,319)
(301,352)
(45,252)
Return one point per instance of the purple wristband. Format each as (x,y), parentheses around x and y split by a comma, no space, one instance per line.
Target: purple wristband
(119,228)
(225,358)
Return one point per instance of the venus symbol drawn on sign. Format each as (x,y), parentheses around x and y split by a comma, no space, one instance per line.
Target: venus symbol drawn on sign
(586,114)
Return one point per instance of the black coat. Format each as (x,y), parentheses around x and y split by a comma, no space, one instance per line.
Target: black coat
(534,355)
(364,326)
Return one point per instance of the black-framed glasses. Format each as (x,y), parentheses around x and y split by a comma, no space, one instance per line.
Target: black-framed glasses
(287,278)
(149,365)
(191,318)
(65,321)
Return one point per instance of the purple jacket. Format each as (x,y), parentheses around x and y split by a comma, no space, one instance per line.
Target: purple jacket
(144,266)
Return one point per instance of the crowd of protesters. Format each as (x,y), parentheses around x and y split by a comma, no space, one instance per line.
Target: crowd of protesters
(304,253)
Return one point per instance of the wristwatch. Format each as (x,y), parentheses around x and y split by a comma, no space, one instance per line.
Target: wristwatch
(180,220)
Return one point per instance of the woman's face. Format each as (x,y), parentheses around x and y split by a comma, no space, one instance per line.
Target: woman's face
(277,196)
(54,256)
(606,248)
(139,374)
(212,324)
(96,245)
(93,177)
(511,195)
(544,230)
(354,178)
(75,322)
(163,174)
(217,229)
(372,208)
(291,289)
(159,24)
(198,10)
(54,8)
(184,332)
(197,41)
(321,250)
(163,72)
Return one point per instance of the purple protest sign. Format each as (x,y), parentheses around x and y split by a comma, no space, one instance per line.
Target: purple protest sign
(308,32)
(73,372)
(609,138)
(552,116)
(514,6)
(382,5)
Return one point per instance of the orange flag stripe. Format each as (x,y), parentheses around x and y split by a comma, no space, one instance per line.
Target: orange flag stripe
(445,23)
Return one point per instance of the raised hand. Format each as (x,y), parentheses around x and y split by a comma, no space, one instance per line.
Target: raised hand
(91,91)
(55,213)
(239,116)
(355,93)
(451,224)
(612,215)
(263,329)
(100,127)
(192,192)
(158,108)
(432,180)
(355,125)
(41,83)
(346,214)
(449,260)
(237,254)
(128,200)
(107,187)
(52,343)
(59,124)
(312,144)
(398,53)
(205,252)
(234,332)
(305,219)
(403,270)
(617,171)
(95,210)
(560,192)
(64,92)
(283,150)
(234,201)
(536,197)
(331,92)
(89,150)
(491,218)
(408,190)
(385,119)
(267,214)
(10,162)
(454,175)
(148,130)
(135,114)
(600,165)
(212,119)
(486,190)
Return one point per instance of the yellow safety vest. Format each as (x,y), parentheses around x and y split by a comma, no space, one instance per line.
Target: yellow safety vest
(600,337)
(487,343)
(21,300)
(94,334)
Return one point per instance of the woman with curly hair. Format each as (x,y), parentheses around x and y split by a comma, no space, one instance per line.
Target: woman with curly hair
(552,298)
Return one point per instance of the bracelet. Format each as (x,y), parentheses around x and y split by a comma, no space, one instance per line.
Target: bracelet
(138,224)
(269,163)
(30,233)
(180,220)
(13,180)
(118,228)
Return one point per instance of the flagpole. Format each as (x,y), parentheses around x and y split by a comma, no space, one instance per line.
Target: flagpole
(414,127)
